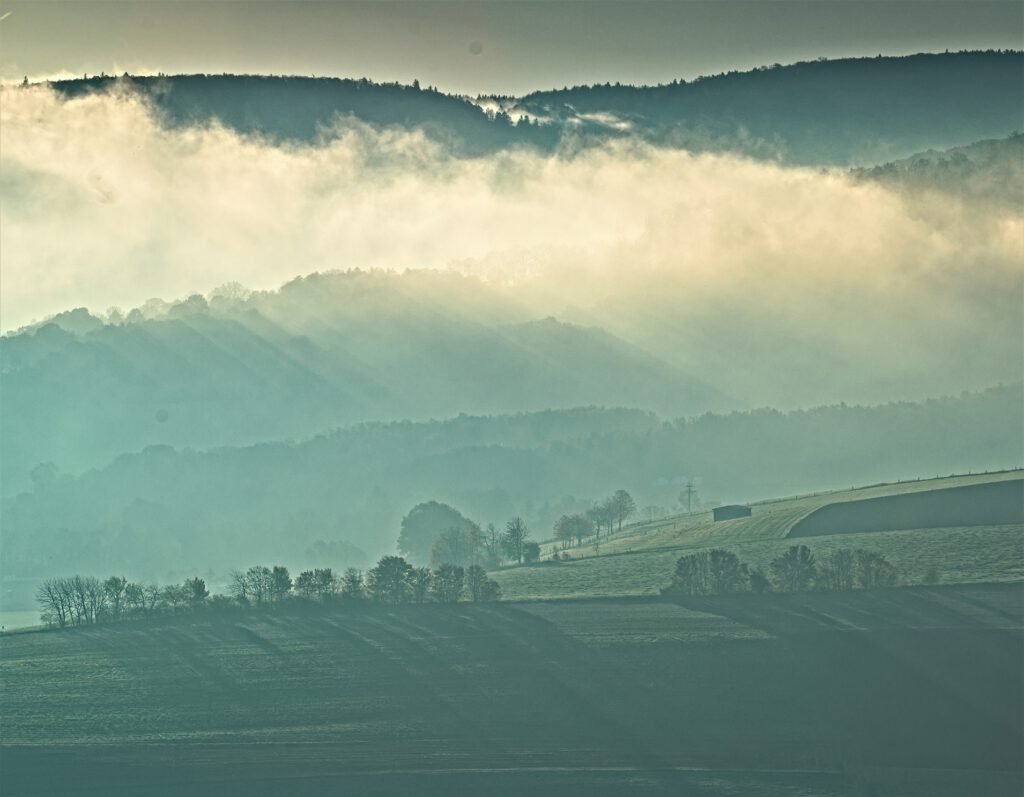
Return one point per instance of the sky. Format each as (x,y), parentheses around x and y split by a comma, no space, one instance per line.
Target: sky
(482,47)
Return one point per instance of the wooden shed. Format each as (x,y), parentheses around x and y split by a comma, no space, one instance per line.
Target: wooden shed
(730,512)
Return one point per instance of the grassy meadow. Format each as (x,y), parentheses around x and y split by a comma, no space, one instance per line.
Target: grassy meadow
(640,559)
(899,691)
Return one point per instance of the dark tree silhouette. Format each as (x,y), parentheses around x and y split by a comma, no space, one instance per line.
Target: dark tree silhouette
(420,584)
(874,570)
(836,572)
(424,524)
(195,590)
(759,581)
(352,586)
(448,583)
(390,580)
(623,506)
(515,537)
(478,586)
(280,583)
(459,545)
(726,574)
(114,588)
(795,570)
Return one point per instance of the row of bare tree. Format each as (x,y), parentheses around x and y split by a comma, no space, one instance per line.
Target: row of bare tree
(87,600)
(573,529)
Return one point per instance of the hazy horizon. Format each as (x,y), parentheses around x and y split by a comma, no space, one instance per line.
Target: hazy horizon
(478,48)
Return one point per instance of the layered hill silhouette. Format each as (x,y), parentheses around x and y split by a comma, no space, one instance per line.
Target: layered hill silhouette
(984,173)
(201,510)
(326,350)
(854,111)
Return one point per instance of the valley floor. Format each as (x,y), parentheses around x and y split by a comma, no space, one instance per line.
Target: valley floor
(899,691)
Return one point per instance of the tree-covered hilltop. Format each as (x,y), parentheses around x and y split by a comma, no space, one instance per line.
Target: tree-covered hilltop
(853,111)
(297,109)
(324,351)
(842,111)
(206,509)
(291,108)
(985,174)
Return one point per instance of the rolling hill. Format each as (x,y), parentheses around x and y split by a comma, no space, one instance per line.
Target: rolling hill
(165,513)
(855,111)
(887,692)
(324,351)
(640,559)
(846,111)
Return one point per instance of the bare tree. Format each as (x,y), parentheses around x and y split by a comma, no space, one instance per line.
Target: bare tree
(260,581)
(874,570)
(238,586)
(54,601)
(114,588)
(516,535)
(622,506)
(458,545)
(492,545)
(420,584)
(280,583)
(573,527)
(352,587)
(326,583)
(134,599)
(836,572)
(794,570)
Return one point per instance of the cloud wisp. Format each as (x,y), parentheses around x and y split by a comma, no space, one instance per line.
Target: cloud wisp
(733,267)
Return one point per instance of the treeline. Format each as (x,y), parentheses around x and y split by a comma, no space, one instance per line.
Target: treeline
(435,532)
(352,487)
(578,526)
(306,109)
(720,572)
(438,533)
(791,112)
(88,600)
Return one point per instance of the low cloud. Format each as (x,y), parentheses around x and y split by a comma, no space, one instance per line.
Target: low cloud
(776,284)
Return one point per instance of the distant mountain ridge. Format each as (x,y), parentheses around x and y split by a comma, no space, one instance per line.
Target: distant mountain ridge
(326,350)
(853,111)
(982,173)
(844,111)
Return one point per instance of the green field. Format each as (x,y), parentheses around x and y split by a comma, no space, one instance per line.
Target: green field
(885,692)
(640,559)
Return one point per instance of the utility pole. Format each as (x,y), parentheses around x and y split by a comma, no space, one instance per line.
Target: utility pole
(689,496)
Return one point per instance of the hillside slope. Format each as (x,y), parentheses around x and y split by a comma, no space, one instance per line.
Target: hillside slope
(168,514)
(847,111)
(640,560)
(324,351)
(567,698)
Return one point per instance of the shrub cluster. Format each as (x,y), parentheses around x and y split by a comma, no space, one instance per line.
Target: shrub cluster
(720,572)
